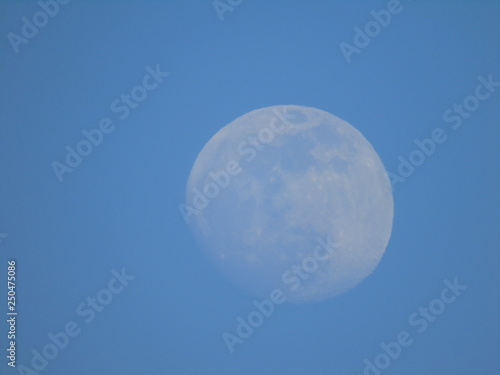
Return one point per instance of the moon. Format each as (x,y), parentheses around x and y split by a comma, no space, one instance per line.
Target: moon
(290,198)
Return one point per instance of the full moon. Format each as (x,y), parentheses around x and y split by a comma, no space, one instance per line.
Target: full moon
(290,198)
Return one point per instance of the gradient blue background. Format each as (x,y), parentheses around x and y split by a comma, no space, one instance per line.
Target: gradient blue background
(119,208)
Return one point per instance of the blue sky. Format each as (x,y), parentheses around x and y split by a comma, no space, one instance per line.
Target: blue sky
(119,207)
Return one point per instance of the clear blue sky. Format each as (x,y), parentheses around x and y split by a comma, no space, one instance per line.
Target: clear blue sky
(119,207)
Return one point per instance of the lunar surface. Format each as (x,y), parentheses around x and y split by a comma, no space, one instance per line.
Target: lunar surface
(290,198)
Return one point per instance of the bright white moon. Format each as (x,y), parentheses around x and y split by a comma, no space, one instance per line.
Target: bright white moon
(291,198)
